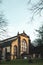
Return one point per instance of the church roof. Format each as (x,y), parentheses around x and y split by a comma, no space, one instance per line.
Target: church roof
(24,34)
(7,42)
(9,39)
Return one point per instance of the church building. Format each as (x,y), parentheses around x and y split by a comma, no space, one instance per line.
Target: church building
(16,46)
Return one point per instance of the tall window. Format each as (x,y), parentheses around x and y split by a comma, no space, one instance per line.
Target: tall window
(8,49)
(15,50)
(23,46)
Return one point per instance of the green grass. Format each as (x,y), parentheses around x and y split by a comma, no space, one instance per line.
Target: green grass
(23,62)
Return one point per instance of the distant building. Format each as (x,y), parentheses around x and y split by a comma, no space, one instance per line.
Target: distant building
(16,46)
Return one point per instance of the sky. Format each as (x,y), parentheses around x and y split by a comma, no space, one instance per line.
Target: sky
(18,17)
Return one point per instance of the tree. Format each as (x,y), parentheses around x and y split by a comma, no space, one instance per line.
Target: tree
(39,41)
(36,6)
(0,1)
(40,34)
(3,25)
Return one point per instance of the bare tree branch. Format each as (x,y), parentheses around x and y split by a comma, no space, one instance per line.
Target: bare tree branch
(0,1)
(3,25)
(36,8)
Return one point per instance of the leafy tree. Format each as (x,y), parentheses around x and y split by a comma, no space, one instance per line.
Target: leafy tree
(40,35)
(39,41)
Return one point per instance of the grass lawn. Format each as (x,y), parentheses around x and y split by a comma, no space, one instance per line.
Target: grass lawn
(22,62)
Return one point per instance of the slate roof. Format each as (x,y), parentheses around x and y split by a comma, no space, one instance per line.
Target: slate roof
(7,42)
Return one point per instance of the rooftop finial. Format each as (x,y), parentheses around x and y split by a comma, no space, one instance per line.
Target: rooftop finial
(18,33)
(23,31)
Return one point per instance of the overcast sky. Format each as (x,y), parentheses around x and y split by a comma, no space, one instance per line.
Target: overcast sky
(18,16)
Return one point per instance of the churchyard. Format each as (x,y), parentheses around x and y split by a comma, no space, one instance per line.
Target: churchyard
(23,62)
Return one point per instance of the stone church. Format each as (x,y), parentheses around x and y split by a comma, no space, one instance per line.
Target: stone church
(16,46)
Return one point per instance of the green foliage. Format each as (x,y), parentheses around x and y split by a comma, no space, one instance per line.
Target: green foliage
(40,35)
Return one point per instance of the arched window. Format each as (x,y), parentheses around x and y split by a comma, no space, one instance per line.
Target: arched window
(23,46)
(15,50)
